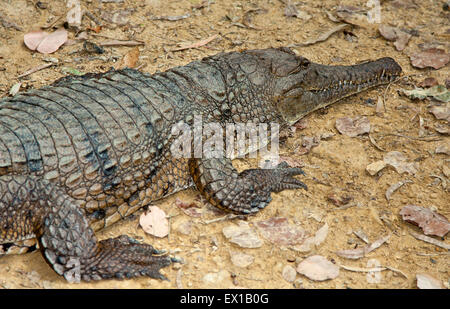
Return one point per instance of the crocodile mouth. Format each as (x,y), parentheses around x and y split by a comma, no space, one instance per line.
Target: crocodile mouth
(323,85)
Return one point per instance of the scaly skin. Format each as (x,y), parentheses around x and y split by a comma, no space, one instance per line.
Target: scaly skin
(87,151)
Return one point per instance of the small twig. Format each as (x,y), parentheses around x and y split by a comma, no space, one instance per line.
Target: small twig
(92,17)
(35,69)
(360,269)
(423,138)
(372,140)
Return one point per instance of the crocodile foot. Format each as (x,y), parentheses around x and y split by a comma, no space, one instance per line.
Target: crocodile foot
(246,192)
(123,257)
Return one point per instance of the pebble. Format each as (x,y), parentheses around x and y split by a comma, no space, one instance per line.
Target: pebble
(375,167)
(289,273)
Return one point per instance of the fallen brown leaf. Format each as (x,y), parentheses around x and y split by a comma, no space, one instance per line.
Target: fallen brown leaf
(242,235)
(441,111)
(154,222)
(44,42)
(353,126)
(324,36)
(197,44)
(425,281)
(428,82)
(129,60)
(399,37)
(433,57)
(429,221)
(398,161)
(278,231)
(190,209)
(318,268)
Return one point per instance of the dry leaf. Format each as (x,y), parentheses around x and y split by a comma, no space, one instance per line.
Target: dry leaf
(353,126)
(324,36)
(129,60)
(425,281)
(433,57)
(171,18)
(240,259)
(429,221)
(278,231)
(318,268)
(120,17)
(242,235)
(438,93)
(121,43)
(399,37)
(315,240)
(292,162)
(430,240)
(34,38)
(398,161)
(291,11)
(154,222)
(428,82)
(442,128)
(362,251)
(395,187)
(441,111)
(190,209)
(308,142)
(15,89)
(442,149)
(44,42)
(197,44)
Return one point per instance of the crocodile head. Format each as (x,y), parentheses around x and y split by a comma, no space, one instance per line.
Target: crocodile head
(302,86)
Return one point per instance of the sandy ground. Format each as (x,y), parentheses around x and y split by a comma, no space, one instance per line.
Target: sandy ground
(335,167)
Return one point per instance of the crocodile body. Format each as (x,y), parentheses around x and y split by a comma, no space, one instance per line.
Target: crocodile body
(85,152)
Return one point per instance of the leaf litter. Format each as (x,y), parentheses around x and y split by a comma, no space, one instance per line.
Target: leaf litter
(353,126)
(435,58)
(154,222)
(278,231)
(430,222)
(358,253)
(44,42)
(318,268)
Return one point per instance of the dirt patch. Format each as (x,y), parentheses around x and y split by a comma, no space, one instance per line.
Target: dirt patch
(341,192)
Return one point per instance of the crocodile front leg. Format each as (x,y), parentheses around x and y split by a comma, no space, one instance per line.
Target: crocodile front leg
(246,192)
(30,206)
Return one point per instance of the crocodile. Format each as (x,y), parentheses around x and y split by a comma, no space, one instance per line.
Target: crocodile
(86,151)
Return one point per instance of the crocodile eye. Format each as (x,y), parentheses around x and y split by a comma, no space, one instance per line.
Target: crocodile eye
(303,62)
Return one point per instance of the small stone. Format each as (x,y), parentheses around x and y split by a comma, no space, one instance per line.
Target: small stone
(289,273)
(375,167)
